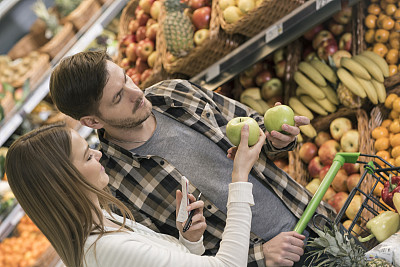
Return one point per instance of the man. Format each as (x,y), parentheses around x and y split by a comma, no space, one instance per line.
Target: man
(150,140)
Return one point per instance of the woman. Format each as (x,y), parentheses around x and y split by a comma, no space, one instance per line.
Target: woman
(59,182)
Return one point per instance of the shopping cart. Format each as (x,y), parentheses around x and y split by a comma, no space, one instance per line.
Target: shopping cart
(371,206)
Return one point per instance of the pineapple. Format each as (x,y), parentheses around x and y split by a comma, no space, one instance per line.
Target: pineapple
(378,263)
(347,98)
(178,29)
(338,249)
(53,27)
(64,7)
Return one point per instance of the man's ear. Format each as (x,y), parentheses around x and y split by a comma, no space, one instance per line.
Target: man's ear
(91,122)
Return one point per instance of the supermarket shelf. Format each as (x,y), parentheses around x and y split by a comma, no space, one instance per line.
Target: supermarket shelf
(6,5)
(9,223)
(9,124)
(284,31)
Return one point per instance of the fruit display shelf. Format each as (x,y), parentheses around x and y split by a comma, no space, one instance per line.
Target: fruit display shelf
(6,5)
(84,37)
(266,42)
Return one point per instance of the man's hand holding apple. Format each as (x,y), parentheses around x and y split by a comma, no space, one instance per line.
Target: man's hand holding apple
(281,140)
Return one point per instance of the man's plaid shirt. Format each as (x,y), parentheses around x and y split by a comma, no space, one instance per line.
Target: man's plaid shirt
(147,184)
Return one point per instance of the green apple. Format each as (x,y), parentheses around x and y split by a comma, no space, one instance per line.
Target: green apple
(234,128)
(275,117)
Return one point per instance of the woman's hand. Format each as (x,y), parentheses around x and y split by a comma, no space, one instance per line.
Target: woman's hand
(244,156)
(198,225)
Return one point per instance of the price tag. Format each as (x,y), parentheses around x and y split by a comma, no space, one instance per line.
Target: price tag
(322,3)
(213,72)
(273,32)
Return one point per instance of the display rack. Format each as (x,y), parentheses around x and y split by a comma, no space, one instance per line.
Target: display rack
(284,31)
(88,33)
(6,5)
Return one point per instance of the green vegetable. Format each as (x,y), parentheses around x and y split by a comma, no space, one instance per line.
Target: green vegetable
(382,226)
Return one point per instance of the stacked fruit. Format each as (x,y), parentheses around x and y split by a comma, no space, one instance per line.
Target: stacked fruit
(319,157)
(382,34)
(234,10)
(185,30)
(10,96)
(138,45)
(24,249)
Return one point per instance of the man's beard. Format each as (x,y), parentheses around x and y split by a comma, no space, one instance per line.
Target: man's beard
(131,122)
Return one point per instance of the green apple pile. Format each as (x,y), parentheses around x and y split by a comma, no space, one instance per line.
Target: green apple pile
(318,156)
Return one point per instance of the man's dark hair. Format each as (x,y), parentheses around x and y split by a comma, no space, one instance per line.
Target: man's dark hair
(77,83)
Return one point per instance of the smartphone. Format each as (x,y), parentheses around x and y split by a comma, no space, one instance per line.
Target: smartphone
(191,213)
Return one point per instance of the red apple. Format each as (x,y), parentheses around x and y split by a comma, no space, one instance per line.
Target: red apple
(141,33)
(335,28)
(151,60)
(263,77)
(141,65)
(133,26)
(142,17)
(343,16)
(125,63)
(246,81)
(151,32)
(339,183)
(146,5)
(144,49)
(195,4)
(326,49)
(339,126)
(136,78)
(200,36)
(353,180)
(130,51)
(280,163)
(127,39)
(321,138)
(320,37)
(314,167)
(338,200)
(345,41)
(308,151)
(280,69)
(323,172)
(351,168)
(155,9)
(201,17)
(254,69)
(146,74)
(329,194)
(151,22)
(327,151)
(131,71)
(309,35)
(137,11)
(338,56)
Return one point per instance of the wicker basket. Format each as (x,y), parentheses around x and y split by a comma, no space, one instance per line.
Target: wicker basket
(82,14)
(127,14)
(36,73)
(260,18)
(55,46)
(200,57)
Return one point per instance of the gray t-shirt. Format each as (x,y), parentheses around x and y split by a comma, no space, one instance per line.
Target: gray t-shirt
(207,167)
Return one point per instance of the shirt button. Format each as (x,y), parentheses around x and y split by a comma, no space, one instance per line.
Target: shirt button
(208,115)
(257,119)
(255,239)
(209,207)
(162,162)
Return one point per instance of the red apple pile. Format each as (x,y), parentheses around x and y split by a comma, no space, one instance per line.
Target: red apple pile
(325,39)
(138,46)
(319,156)
(199,12)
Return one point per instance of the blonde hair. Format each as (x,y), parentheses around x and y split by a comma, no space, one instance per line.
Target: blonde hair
(53,193)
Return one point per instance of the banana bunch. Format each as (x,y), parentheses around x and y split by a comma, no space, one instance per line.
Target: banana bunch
(364,74)
(314,93)
(252,98)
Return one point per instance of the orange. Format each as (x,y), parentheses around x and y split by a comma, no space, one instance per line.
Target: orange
(380,49)
(395,126)
(397,162)
(383,4)
(370,21)
(381,144)
(385,155)
(397,25)
(381,36)
(374,9)
(396,14)
(392,56)
(390,9)
(393,115)
(386,123)
(387,23)
(391,162)
(394,39)
(395,152)
(392,69)
(370,36)
(379,21)
(395,140)
(396,104)
(379,132)
(378,189)
(389,100)
(389,1)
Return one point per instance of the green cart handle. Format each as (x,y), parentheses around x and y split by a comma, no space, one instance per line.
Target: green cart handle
(338,161)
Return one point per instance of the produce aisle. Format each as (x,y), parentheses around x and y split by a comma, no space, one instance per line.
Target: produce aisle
(334,61)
